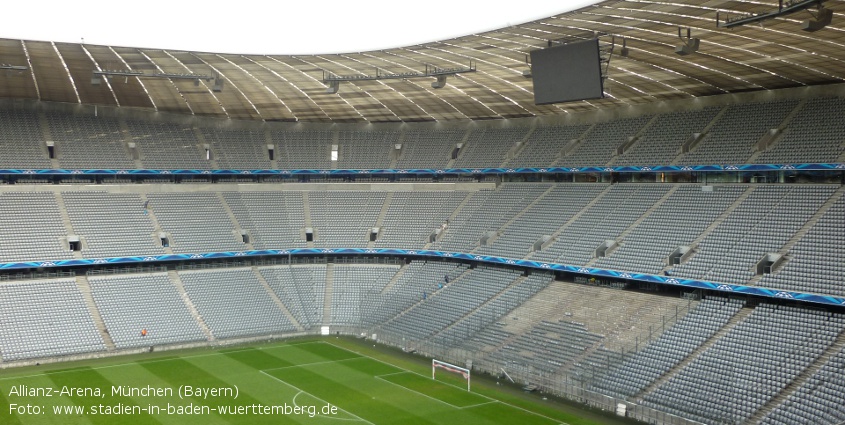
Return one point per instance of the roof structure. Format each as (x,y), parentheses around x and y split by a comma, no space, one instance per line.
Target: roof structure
(775,53)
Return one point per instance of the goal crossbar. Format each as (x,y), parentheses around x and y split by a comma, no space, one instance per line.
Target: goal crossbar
(435,364)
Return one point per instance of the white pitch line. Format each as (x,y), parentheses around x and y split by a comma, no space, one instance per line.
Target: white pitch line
(322,416)
(434,398)
(216,353)
(315,363)
(391,374)
(446,383)
(318,398)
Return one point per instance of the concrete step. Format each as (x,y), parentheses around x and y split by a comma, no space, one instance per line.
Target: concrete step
(272,294)
(735,320)
(575,217)
(180,288)
(648,212)
(327,300)
(798,382)
(380,219)
(719,220)
(468,315)
(85,288)
(154,221)
(306,207)
(235,225)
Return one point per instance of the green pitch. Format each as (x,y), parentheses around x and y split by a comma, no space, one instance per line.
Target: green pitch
(300,382)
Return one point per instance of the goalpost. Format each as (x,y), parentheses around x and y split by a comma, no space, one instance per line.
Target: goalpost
(437,364)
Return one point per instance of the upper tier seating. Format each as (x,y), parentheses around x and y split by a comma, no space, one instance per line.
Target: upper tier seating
(599,145)
(809,129)
(167,146)
(732,137)
(816,134)
(238,149)
(21,141)
(87,142)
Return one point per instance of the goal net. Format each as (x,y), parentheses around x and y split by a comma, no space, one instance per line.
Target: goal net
(448,367)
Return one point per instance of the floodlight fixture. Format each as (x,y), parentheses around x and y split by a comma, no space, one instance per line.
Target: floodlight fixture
(332,87)
(821,19)
(332,81)
(440,83)
(98,75)
(11,67)
(688,45)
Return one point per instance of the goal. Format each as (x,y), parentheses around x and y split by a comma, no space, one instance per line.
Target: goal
(437,364)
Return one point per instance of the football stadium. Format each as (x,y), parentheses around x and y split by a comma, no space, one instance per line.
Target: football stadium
(630,212)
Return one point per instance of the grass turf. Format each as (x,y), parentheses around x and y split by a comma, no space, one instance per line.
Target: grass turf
(314,381)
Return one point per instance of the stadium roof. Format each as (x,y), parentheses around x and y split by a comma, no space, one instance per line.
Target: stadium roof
(770,54)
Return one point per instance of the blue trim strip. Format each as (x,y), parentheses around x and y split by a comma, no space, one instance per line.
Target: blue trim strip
(664,280)
(430,171)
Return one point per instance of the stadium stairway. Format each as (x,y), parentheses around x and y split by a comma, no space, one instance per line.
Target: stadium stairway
(620,337)
(154,221)
(518,281)
(396,276)
(735,320)
(570,148)
(456,279)
(799,381)
(516,216)
(394,159)
(621,237)
(463,142)
(306,210)
(388,197)
(575,217)
(808,225)
(127,139)
(180,288)
(48,135)
(681,154)
(268,140)
(201,141)
(517,148)
(85,288)
(235,225)
(60,202)
(272,294)
(718,221)
(327,298)
(452,216)
(546,304)
(782,126)
(627,146)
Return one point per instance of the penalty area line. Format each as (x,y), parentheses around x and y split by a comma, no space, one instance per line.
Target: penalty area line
(313,363)
(318,398)
(381,377)
(446,383)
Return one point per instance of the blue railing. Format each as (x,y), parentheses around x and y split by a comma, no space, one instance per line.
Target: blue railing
(422,254)
(433,171)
